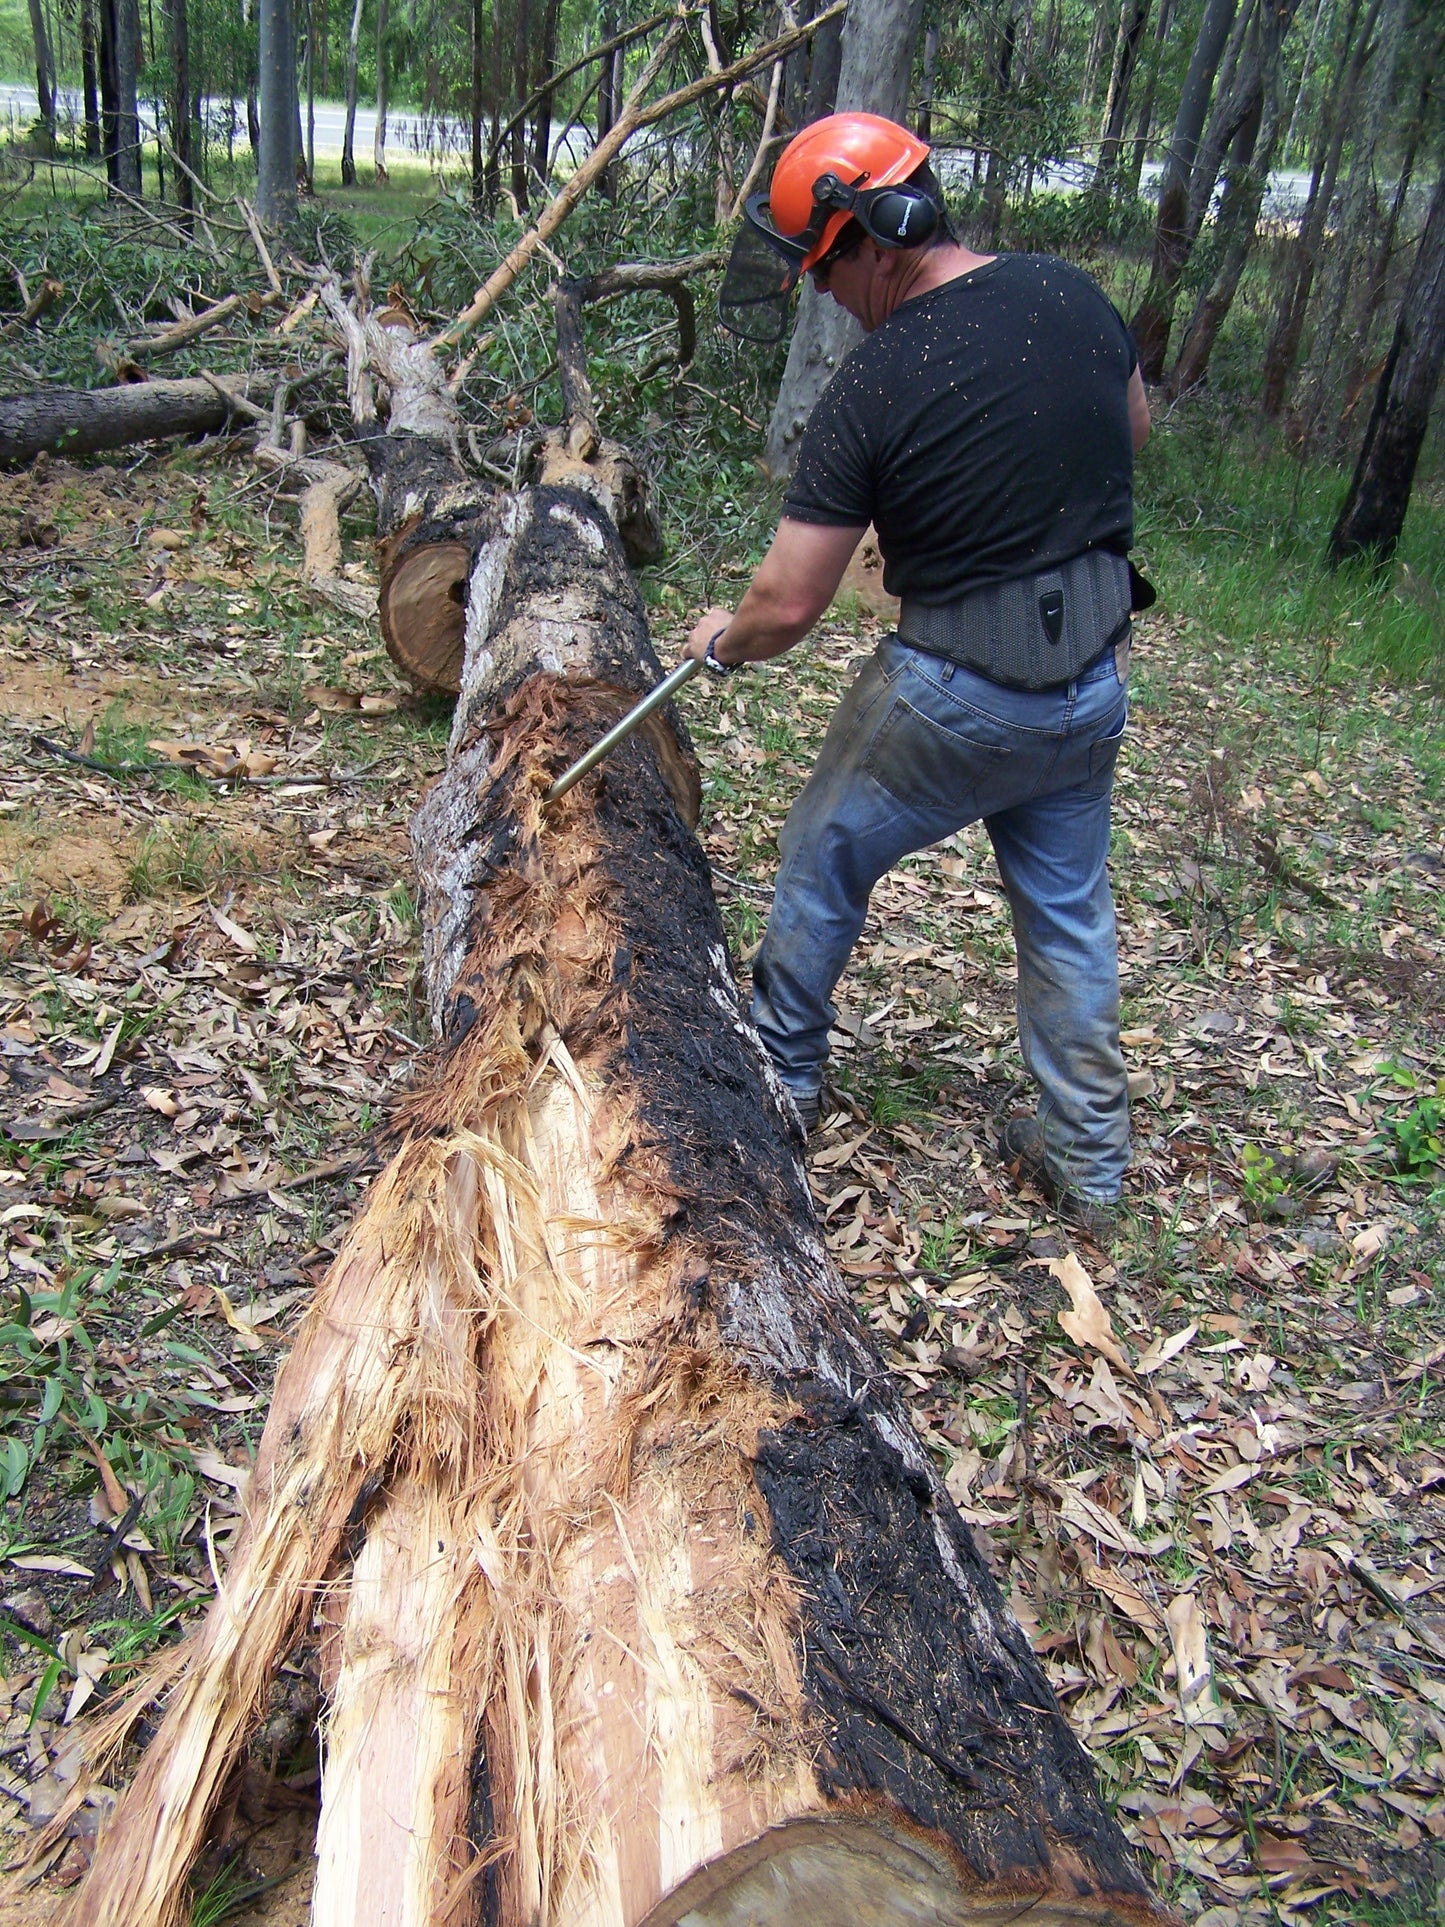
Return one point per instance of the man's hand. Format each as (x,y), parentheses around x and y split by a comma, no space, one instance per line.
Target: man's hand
(708,624)
(793,585)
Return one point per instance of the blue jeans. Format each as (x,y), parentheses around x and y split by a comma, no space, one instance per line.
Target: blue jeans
(918,748)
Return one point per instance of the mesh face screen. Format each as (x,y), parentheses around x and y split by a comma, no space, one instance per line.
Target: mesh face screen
(753,303)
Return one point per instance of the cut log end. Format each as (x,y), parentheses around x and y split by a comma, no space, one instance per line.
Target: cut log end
(423,613)
(861,1872)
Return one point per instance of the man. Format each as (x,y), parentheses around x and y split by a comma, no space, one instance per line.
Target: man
(986,426)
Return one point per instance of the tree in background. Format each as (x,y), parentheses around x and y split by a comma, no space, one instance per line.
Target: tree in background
(1154,318)
(353,55)
(1373,515)
(875,71)
(44,68)
(120,48)
(179,105)
(1238,219)
(279,106)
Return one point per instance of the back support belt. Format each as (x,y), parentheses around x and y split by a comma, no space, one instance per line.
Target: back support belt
(1034,633)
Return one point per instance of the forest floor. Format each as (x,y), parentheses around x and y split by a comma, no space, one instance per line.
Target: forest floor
(1208,1465)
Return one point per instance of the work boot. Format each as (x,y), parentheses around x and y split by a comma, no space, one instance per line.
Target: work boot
(809,1106)
(1021,1139)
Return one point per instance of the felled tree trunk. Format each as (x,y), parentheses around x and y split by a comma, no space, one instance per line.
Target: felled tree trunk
(644,1600)
(83,421)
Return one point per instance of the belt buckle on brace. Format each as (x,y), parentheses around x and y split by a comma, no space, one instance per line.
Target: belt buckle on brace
(1051,614)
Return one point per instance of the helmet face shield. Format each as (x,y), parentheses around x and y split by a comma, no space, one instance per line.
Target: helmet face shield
(762,271)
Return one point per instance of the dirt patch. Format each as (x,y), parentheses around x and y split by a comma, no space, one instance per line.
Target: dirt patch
(38,862)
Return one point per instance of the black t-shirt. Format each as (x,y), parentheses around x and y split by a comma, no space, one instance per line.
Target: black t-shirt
(983,429)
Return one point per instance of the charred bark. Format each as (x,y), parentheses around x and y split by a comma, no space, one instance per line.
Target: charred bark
(657,1608)
(1373,516)
(83,421)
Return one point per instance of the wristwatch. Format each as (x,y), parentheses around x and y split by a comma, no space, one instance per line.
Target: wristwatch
(710,661)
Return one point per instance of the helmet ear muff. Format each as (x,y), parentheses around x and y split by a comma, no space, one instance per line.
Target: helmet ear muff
(898,217)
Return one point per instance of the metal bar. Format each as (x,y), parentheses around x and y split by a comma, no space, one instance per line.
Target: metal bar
(619,732)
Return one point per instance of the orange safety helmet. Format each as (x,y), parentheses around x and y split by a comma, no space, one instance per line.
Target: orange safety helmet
(862,150)
(845,167)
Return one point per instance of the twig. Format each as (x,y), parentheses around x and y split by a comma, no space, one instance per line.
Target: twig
(1373,1580)
(623,39)
(259,241)
(634,116)
(52,748)
(765,140)
(186,331)
(236,404)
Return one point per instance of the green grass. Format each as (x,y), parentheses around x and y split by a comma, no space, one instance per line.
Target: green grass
(1233,527)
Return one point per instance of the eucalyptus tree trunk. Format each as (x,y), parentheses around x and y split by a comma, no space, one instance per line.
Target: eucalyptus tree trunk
(1306,73)
(1304,254)
(378,151)
(44,67)
(1133,20)
(875,69)
(348,138)
(1238,103)
(1143,127)
(995,184)
(253,116)
(1338,326)
(824,66)
(924,123)
(521,63)
(179,105)
(478,17)
(1154,317)
(1239,217)
(90,78)
(125,169)
(545,66)
(1371,521)
(276,160)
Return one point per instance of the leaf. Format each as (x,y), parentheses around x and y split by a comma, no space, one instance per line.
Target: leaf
(242,939)
(1191,1659)
(1077,1509)
(1086,1320)
(1163,1349)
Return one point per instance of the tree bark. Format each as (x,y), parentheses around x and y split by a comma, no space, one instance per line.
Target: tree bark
(90,79)
(278,105)
(875,69)
(1336,330)
(645,1601)
(179,104)
(83,421)
(545,65)
(123,19)
(348,138)
(1154,317)
(1239,216)
(1303,256)
(44,67)
(1144,126)
(1373,516)
(382,78)
(1133,21)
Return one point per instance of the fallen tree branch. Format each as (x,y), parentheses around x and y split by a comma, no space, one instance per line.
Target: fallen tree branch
(84,421)
(184,332)
(634,117)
